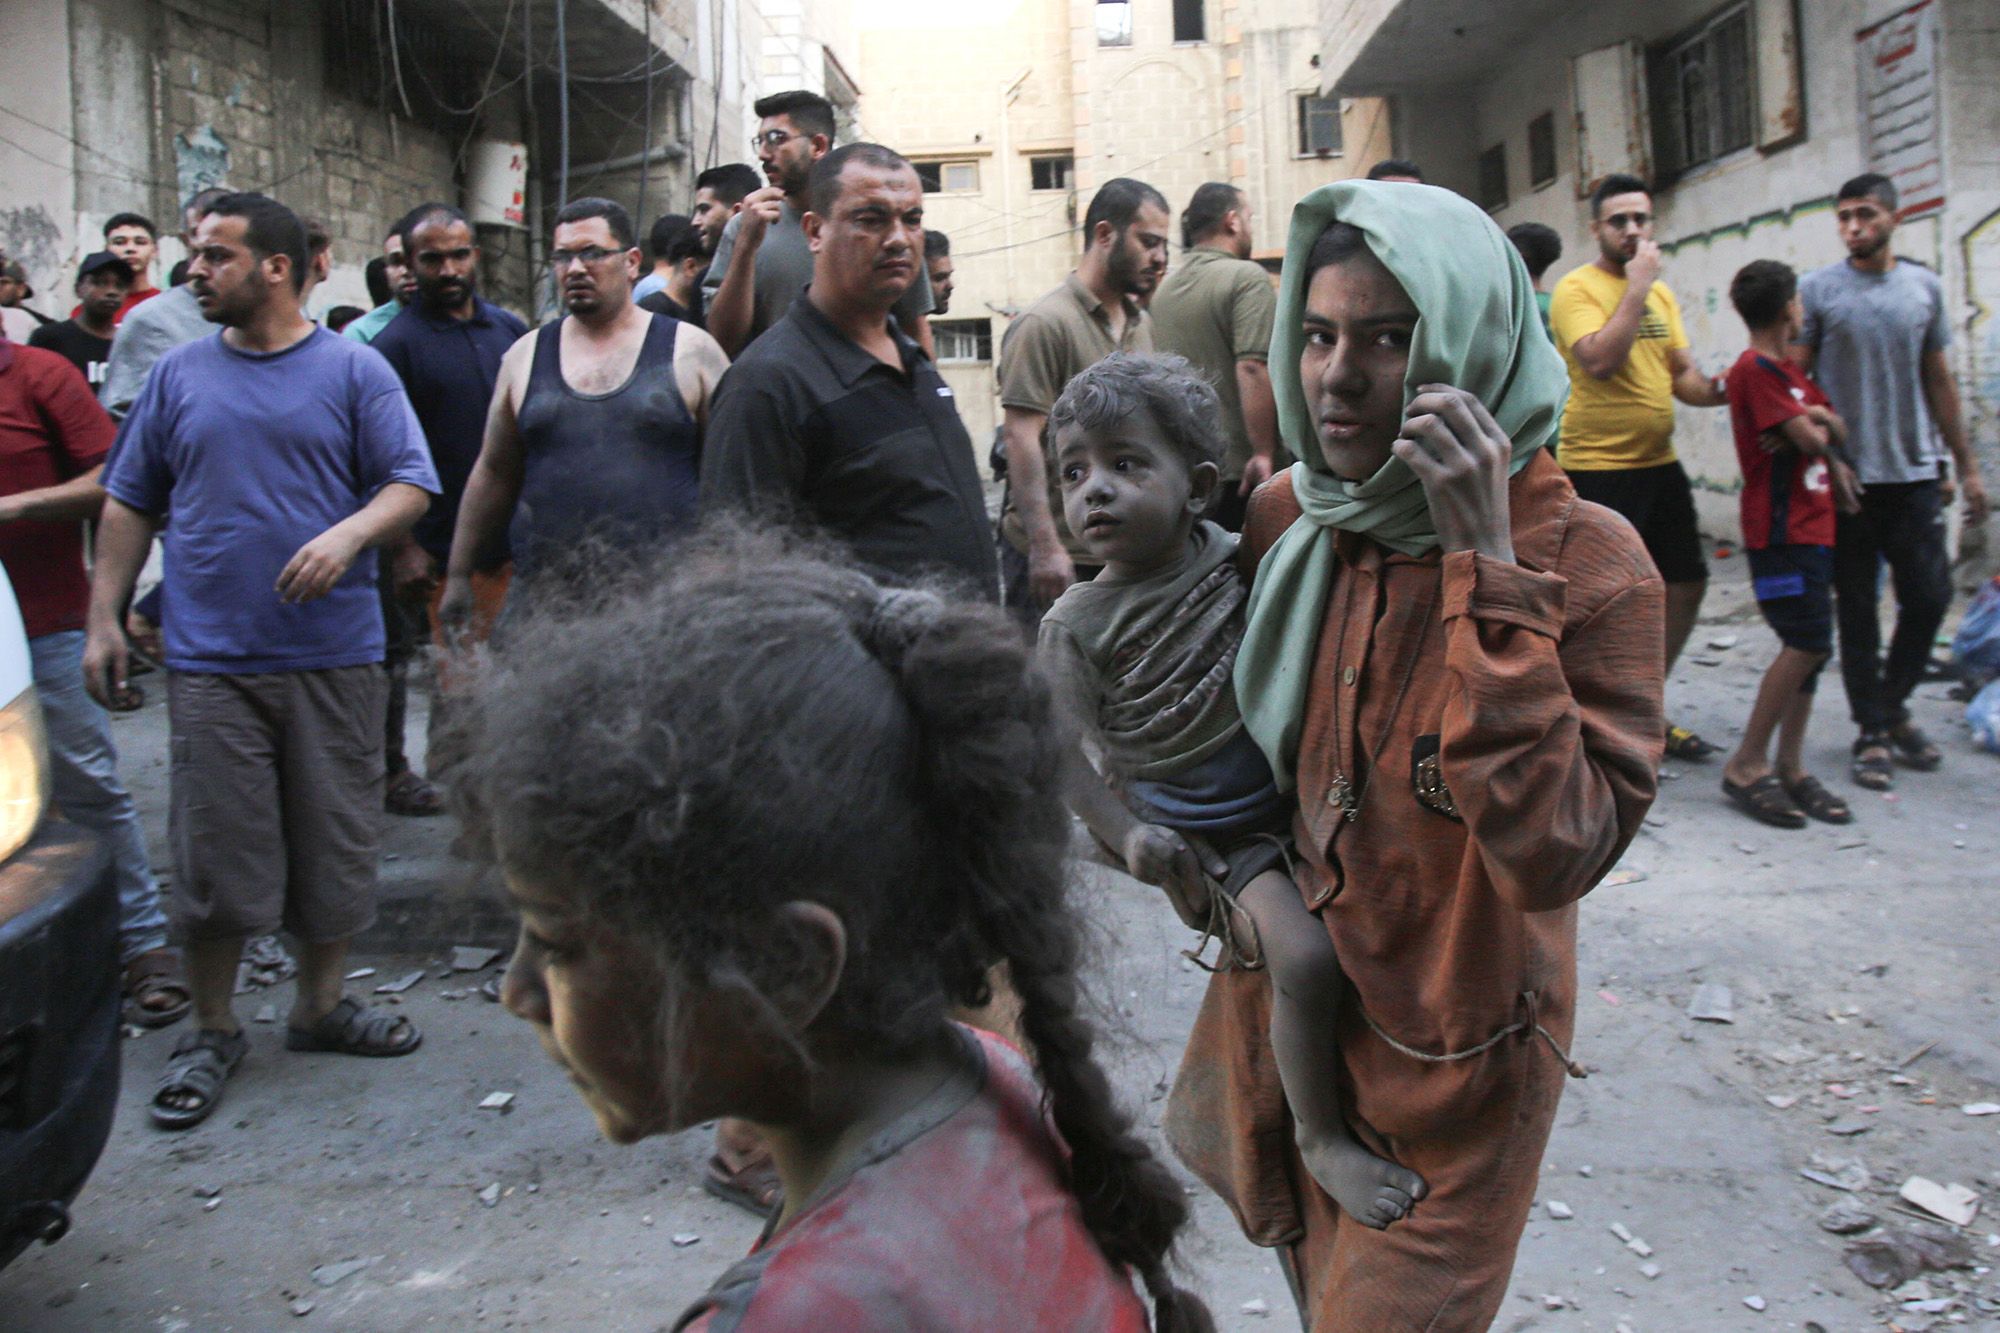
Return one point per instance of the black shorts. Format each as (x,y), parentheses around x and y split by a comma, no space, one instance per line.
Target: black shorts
(1794,590)
(1659,502)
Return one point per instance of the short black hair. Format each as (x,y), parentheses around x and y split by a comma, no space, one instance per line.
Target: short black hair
(1539,246)
(319,236)
(808,111)
(613,213)
(1870,185)
(1117,202)
(1211,203)
(1617,183)
(1396,166)
(1182,402)
(423,213)
(376,274)
(269,229)
(730,181)
(936,244)
(1761,290)
(1340,242)
(341,316)
(201,201)
(823,185)
(118,220)
(686,244)
(666,229)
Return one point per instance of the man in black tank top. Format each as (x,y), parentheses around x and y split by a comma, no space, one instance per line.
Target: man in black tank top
(596,427)
(835,416)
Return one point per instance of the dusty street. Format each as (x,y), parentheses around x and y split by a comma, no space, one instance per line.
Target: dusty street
(1861,964)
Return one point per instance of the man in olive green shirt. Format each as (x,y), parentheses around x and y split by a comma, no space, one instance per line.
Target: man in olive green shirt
(1091,315)
(1216,309)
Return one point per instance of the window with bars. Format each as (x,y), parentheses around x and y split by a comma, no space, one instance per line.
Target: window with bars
(1493,178)
(1542,150)
(1190,24)
(943,177)
(1114,22)
(1051,173)
(1702,89)
(962,340)
(440,80)
(1319,126)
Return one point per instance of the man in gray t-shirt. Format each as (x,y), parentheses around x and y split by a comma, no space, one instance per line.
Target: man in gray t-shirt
(762,262)
(1875,335)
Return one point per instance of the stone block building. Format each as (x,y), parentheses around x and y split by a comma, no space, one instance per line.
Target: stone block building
(1016,110)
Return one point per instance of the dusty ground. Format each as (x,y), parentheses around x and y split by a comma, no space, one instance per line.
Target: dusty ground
(1862,964)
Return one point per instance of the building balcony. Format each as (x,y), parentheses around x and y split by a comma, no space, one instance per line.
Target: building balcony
(1372,48)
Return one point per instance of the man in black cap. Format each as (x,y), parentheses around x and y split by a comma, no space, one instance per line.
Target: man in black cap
(15,289)
(103,281)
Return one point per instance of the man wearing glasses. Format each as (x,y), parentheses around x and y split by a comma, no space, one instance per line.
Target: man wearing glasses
(763,262)
(1619,328)
(595,429)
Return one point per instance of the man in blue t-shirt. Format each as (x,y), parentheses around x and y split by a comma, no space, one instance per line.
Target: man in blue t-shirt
(285,455)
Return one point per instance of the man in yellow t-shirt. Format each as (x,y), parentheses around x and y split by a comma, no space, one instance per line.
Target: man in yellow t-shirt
(1619,329)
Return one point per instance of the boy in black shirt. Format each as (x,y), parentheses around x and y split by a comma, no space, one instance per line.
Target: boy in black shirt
(103,281)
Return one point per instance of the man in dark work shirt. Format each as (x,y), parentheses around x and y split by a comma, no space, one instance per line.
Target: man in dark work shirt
(686,262)
(103,281)
(834,415)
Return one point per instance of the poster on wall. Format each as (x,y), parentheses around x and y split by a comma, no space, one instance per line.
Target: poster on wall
(1899,105)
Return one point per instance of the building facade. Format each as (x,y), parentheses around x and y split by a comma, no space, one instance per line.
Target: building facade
(1016,110)
(1748,114)
(353,111)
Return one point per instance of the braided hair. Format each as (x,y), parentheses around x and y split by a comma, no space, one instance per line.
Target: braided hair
(757,722)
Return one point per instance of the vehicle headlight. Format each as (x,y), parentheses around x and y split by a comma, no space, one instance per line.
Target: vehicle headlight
(24,771)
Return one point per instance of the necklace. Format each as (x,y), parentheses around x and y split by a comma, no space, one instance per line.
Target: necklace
(1342,791)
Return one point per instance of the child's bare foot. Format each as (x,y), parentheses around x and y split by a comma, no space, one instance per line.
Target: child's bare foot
(1372,1190)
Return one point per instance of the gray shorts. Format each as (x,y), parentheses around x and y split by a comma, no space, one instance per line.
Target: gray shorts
(276,812)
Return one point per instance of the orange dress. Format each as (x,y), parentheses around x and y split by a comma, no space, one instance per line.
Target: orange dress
(1499,729)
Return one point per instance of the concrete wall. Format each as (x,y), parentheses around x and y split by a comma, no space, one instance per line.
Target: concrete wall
(37,153)
(1754,204)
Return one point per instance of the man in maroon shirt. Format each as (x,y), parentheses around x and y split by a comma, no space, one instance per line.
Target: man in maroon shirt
(53,439)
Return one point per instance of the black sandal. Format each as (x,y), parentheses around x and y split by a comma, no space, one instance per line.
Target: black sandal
(1766,802)
(156,995)
(1811,796)
(201,1064)
(351,1028)
(1914,749)
(1872,768)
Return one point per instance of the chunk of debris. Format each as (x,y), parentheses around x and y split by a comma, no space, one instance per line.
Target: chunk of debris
(400,984)
(360,973)
(326,1275)
(1559,1210)
(1954,1203)
(211,1205)
(1844,1217)
(472,958)
(1893,1258)
(301,1307)
(1618,877)
(1722,642)
(1554,1302)
(1711,1004)
(268,1014)
(1639,1247)
(1981,1108)
(683,1239)
(207,1191)
(1623,1232)
(1650,1271)
(1783,1101)
(1840,1173)
(490,1196)
(497,1101)
(1847,1129)
(1756,1303)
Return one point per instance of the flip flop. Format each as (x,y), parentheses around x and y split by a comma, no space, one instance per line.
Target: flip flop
(1766,802)
(413,797)
(351,1028)
(149,978)
(1914,749)
(201,1064)
(1684,744)
(752,1186)
(1871,767)
(1811,796)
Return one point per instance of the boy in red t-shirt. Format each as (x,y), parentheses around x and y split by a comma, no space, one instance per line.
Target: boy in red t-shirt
(1789,443)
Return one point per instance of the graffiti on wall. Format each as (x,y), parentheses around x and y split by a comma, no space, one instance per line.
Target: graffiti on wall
(30,235)
(1980,248)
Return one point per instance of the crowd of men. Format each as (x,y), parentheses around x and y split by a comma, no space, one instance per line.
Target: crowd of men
(770,349)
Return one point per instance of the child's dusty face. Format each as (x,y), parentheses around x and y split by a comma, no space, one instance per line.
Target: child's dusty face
(1128,494)
(1358,327)
(595,997)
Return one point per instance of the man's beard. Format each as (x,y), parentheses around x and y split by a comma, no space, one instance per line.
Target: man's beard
(1124,269)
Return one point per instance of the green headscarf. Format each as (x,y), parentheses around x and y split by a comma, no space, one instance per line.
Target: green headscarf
(1478,329)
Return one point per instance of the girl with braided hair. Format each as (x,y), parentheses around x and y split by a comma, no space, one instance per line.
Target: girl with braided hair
(766,822)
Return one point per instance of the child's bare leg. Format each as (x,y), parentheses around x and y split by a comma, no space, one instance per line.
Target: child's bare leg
(1792,736)
(1777,700)
(1306,994)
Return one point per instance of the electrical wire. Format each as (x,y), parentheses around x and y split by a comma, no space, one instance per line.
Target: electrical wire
(646,146)
(562,104)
